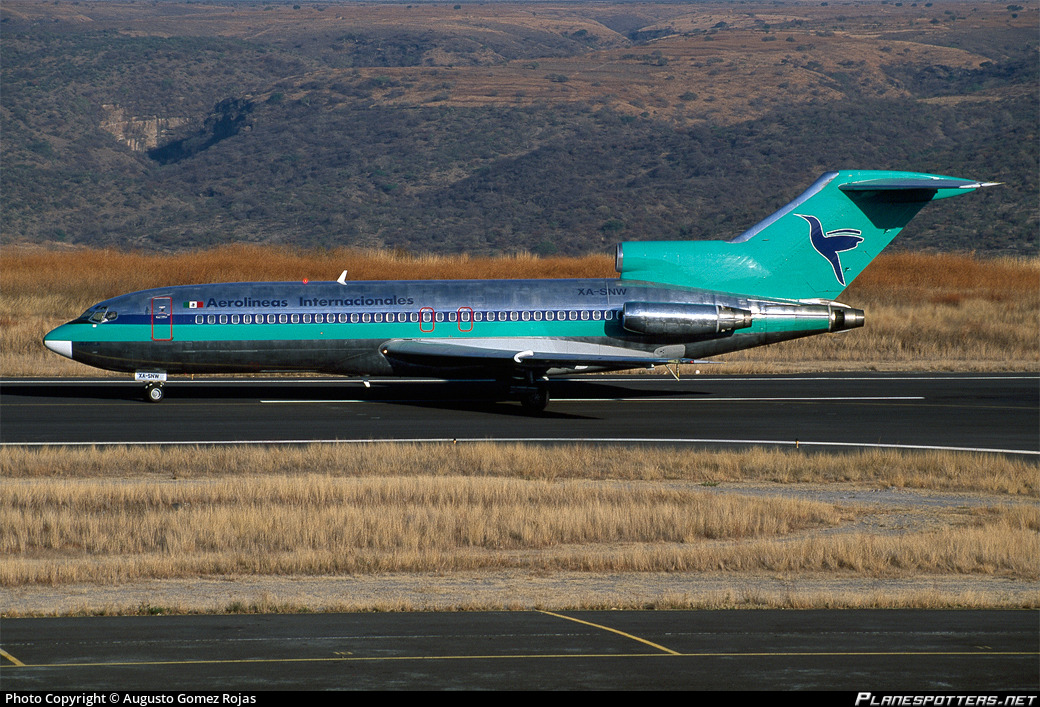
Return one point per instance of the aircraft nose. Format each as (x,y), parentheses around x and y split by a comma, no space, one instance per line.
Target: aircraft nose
(57,344)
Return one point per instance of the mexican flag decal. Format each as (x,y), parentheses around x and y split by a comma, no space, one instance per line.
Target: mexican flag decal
(194,305)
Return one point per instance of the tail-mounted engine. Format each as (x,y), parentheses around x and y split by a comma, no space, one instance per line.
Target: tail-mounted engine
(713,321)
(688,321)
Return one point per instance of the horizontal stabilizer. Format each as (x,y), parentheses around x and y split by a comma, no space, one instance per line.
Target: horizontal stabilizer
(915,183)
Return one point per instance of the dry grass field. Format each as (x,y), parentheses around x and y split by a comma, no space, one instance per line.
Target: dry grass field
(478,526)
(924,311)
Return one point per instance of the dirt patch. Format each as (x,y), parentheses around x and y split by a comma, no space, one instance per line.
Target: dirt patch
(515,590)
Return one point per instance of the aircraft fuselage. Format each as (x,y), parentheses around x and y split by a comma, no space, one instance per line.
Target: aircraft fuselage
(328,327)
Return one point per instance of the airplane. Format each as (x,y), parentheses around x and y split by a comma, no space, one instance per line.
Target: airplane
(673,302)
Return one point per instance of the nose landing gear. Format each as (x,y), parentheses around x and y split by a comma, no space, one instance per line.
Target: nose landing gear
(153,392)
(153,384)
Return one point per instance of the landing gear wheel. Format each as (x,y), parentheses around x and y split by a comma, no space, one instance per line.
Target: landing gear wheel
(535,401)
(153,392)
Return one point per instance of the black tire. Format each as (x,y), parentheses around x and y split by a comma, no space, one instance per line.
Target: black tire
(535,401)
(153,393)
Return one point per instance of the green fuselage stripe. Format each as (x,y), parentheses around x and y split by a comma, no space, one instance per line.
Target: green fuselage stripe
(115,332)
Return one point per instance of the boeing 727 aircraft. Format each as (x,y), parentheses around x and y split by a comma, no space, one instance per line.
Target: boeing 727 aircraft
(675,301)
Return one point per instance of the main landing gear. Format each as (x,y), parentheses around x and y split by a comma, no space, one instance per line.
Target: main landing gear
(533,392)
(535,400)
(153,392)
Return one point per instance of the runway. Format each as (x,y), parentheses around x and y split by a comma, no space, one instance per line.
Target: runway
(975,651)
(972,412)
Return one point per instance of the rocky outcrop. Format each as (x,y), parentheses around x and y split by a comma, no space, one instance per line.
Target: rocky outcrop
(228,118)
(139,133)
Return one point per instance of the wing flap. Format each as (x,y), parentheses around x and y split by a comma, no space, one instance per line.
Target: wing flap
(523,353)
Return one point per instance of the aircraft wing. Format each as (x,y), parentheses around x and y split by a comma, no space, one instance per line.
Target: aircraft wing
(526,353)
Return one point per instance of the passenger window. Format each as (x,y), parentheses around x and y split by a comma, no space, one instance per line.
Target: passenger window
(343,318)
(199,319)
(247,318)
(211,319)
(379,317)
(234,319)
(270,319)
(306,319)
(296,319)
(584,315)
(223,319)
(366,317)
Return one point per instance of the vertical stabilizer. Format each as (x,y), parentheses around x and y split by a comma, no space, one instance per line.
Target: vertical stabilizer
(811,248)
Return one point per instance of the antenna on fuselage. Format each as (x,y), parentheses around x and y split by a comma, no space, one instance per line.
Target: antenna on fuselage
(342,278)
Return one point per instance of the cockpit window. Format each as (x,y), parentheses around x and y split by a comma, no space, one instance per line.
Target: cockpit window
(98,315)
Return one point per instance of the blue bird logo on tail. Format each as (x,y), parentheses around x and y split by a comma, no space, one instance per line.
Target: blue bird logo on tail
(833,242)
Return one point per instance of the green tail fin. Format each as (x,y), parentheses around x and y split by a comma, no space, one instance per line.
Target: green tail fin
(810,249)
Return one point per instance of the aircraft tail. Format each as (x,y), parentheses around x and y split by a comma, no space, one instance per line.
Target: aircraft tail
(812,248)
